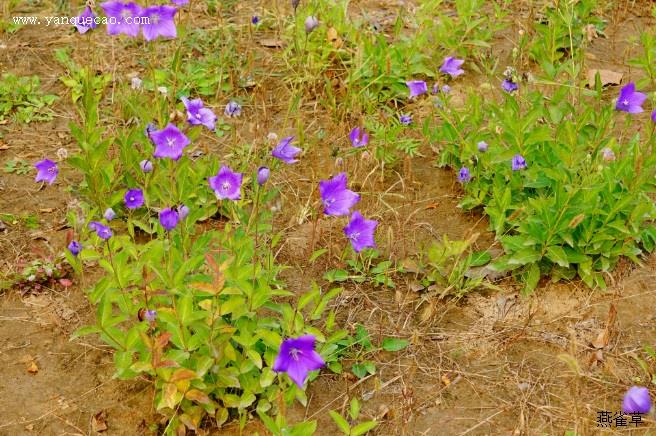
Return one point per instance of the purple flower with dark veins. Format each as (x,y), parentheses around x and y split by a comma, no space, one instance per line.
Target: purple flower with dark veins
(85,21)
(417,87)
(168,218)
(464,176)
(109,214)
(451,66)
(406,120)
(358,137)
(226,184)
(232,109)
(75,247)
(636,400)
(198,114)
(160,22)
(285,151)
(263,174)
(337,199)
(183,211)
(134,198)
(122,18)
(630,100)
(360,232)
(297,358)
(46,171)
(509,86)
(101,230)
(169,142)
(146,166)
(518,162)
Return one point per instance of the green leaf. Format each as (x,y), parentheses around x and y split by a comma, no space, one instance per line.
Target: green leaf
(340,421)
(557,255)
(363,428)
(394,344)
(336,275)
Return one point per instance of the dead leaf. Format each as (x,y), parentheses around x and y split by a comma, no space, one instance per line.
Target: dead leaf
(271,42)
(607,77)
(3,146)
(32,368)
(99,422)
(604,336)
(334,39)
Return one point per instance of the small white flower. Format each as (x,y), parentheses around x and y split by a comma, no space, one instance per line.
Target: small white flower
(62,153)
(272,137)
(162,90)
(136,83)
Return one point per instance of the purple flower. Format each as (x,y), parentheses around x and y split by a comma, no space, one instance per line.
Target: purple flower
(183,211)
(630,100)
(446,89)
(406,120)
(636,400)
(134,198)
(285,151)
(360,232)
(197,114)
(509,86)
(653,116)
(607,154)
(311,23)
(358,137)
(226,184)
(75,247)
(464,176)
(255,19)
(451,66)
(169,142)
(336,198)
(295,4)
(161,22)
(101,230)
(482,146)
(263,174)
(46,171)
(436,88)
(146,166)
(180,2)
(518,162)
(151,315)
(232,109)
(85,21)
(416,87)
(297,357)
(109,214)
(122,18)
(150,128)
(168,218)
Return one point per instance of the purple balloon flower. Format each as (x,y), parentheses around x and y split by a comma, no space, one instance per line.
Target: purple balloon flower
(358,137)
(103,231)
(183,211)
(169,142)
(263,174)
(336,198)
(509,86)
(311,23)
(482,146)
(518,162)
(109,214)
(464,176)
(197,114)
(85,21)
(168,218)
(134,198)
(636,400)
(451,66)
(146,166)
(360,232)
(297,358)
(75,247)
(122,18)
(232,109)
(417,87)
(285,151)
(406,120)
(160,22)
(226,184)
(46,171)
(630,100)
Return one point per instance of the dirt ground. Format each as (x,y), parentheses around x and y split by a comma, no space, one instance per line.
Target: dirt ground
(492,363)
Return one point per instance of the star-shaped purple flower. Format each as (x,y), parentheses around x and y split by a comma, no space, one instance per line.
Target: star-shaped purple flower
(134,198)
(122,18)
(85,21)
(337,199)
(358,137)
(636,400)
(226,184)
(417,87)
(101,230)
(464,176)
(360,232)
(509,86)
(518,162)
(285,151)
(630,100)
(198,114)
(160,22)
(46,171)
(297,358)
(451,66)
(169,142)
(169,218)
